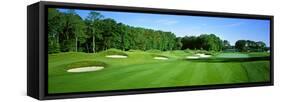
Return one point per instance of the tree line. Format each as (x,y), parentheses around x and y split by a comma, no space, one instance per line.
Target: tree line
(67,31)
(209,42)
(250,46)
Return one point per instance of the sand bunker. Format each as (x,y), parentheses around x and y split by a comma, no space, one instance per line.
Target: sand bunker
(203,55)
(160,58)
(199,55)
(85,69)
(116,56)
(192,57)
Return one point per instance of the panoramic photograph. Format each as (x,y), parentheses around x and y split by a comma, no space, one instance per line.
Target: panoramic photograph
(94,50)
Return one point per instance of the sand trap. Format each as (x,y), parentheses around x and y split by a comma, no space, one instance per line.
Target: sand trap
(85,69)
(197,56)
(116,56)
(160,58)
(192,57)
(203,55)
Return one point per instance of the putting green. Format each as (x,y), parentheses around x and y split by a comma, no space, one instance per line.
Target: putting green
(140,70)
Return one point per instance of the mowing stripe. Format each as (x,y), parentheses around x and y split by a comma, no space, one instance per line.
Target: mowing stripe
(138,79)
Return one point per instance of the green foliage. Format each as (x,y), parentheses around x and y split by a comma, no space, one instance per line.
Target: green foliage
(67,32)
(209,42)
(54,28)
(226,44)
(250,46)
(240,45)
(179,44)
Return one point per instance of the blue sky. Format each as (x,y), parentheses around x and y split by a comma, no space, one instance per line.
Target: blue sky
(231,29)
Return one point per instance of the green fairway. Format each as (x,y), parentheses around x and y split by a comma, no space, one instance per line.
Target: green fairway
(141,70)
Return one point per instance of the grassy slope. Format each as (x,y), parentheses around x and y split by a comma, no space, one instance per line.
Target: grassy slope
(140,70)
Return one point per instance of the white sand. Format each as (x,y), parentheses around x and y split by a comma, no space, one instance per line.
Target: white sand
(192,57)
(160,58)
(116,56)
(85,69)
(199,55)
(203,55)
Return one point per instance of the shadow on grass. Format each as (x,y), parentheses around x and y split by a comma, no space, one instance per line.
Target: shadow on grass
(214,60)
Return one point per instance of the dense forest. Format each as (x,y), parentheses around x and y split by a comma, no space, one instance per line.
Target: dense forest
(67,31)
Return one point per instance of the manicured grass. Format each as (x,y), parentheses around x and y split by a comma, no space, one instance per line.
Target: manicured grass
(140,70)
(256,54)
(232,55)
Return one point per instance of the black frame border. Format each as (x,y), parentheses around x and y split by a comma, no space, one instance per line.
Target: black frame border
(43,56)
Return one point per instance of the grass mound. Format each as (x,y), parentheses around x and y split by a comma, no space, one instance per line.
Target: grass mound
(85,64)
(68,54)
(157,55)
(154,51)
(200,52)
(134,50)
(178,52)
(205,52)
(115,52)
(188,51)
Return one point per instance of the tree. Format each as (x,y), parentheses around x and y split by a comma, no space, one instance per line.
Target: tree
(190,42)
(241,45)
(79,27)
(261,46)
(226,44)
(250,46)
(54,28)
(72,31)
(208,42)
(69,32)
(122,32)
(92,17)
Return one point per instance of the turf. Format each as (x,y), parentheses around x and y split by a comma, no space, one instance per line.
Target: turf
(233,55)
(140,70)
